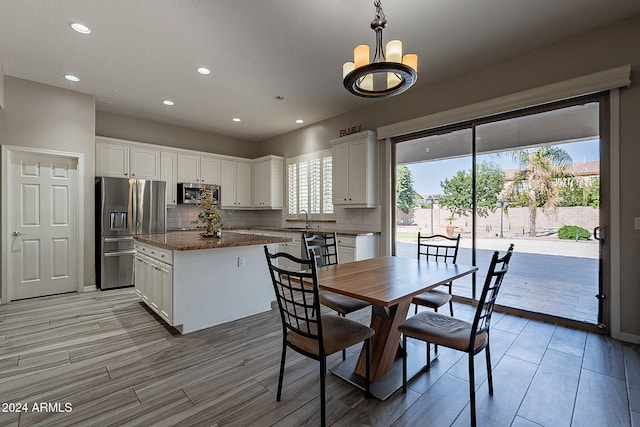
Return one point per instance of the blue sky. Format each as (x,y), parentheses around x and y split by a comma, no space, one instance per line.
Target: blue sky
(427,176)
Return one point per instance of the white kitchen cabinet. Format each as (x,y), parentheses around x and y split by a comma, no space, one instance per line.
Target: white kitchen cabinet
(355,178)
(198,169)
(293,248)
(209,170)
(235,182)
(243,184)
(169,174)
(144,163)
(188,168)
(346,254)
(112,159)
(162,288)
(142,278)
(228,183)
(268,182)
(356,248)
(123,160)
(154,279)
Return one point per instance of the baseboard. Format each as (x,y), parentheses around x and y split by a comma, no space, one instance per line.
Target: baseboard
(90,288)
(630,338)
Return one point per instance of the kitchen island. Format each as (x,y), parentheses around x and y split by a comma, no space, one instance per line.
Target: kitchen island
(193,282)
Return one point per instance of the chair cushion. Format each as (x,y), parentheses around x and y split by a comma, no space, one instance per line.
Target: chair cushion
(441,329)
(432,298)
(341,303)
(338,332)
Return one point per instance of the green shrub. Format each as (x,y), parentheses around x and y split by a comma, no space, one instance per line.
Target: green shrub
(568,232)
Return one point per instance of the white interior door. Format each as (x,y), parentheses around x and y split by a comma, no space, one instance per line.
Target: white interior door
(43,222)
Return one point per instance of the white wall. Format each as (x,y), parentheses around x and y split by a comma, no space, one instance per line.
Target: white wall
(42,116)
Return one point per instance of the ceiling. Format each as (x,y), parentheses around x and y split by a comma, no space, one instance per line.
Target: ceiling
(570,124)
(142,52)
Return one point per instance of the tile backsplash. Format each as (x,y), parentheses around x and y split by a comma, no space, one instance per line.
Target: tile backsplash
(346,219)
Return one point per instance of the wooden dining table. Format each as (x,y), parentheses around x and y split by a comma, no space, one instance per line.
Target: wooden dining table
(389,283)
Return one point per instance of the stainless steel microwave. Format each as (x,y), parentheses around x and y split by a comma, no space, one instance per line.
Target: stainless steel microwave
(189,193)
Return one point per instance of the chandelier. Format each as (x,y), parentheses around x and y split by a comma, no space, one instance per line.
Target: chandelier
(387,75)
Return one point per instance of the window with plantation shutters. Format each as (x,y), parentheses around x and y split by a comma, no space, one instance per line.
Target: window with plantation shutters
(327,185)
(292,186)
(309,185)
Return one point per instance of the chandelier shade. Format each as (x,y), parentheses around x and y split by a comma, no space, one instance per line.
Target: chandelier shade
(387,74)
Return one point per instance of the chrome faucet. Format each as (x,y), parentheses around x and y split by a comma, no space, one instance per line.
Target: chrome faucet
(306,218)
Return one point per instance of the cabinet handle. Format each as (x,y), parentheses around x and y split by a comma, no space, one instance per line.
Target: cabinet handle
(133,174)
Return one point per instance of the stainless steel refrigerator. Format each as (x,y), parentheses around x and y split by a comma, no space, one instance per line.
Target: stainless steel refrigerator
(124,207)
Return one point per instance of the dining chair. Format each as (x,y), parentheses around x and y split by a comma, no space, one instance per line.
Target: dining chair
(304,329)
(438,248)
(469,337)
(325,248)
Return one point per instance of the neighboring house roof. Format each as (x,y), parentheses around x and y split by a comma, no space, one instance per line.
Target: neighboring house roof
(583,169)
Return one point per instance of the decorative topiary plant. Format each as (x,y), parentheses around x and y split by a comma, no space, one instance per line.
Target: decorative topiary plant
(569,232)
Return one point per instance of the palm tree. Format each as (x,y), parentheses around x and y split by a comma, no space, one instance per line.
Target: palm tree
(541,170)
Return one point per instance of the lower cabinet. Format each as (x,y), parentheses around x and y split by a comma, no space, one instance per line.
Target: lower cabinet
(141,279)
(356,248)
(292,248)
(350,248)
(162,289)
(154,279)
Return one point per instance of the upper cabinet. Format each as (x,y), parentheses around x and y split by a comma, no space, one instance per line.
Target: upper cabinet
(355,178)
(112,159)
(144,163)
(245,183)
(209,170)
(268,182)
(188,168)
(198,169)
(125,160)
(169,174)
(235,184)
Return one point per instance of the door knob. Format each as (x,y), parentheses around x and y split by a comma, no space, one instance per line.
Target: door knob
(17,233)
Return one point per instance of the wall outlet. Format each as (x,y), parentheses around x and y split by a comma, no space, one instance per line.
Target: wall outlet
(636,223)
(240,261)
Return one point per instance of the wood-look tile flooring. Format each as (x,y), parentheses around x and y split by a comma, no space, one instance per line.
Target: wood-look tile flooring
(112,362)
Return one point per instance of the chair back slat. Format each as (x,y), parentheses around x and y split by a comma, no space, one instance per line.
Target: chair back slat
(437,247)
(324,245)
(497,270)
(297,295)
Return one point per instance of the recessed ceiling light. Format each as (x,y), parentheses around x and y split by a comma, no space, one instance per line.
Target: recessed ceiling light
(237,119)
(299,121)
(167,102)
(81,28)
(71,78)
(204,70)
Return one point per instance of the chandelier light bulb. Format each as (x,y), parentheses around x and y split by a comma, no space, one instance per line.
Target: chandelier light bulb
(361,55)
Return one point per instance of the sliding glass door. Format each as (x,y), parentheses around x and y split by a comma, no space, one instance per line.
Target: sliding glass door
(531,179)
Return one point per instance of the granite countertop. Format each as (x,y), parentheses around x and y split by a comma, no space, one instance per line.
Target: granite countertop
(191,240)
